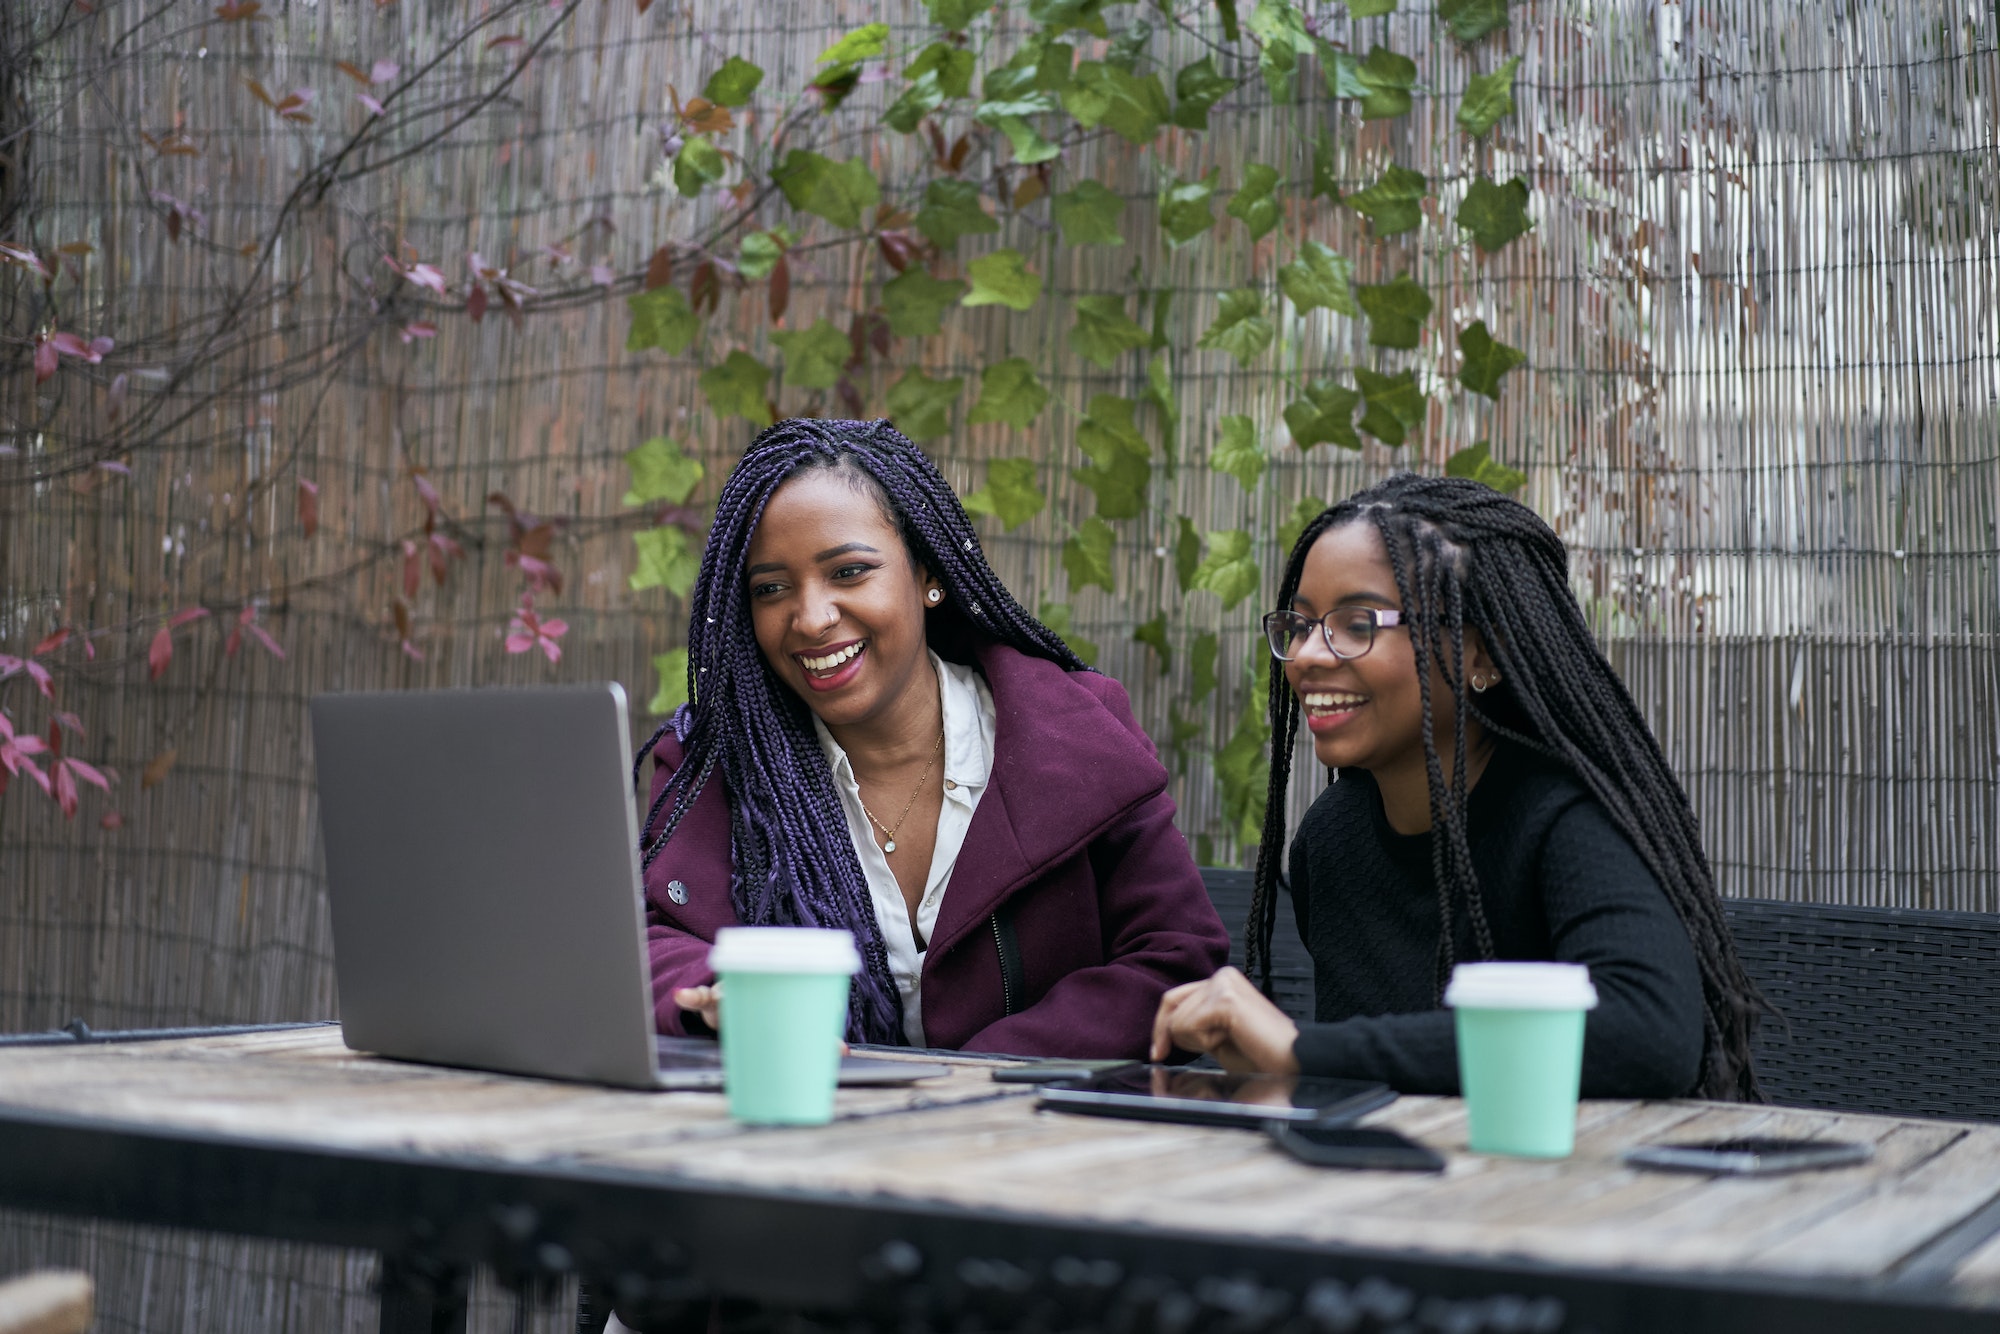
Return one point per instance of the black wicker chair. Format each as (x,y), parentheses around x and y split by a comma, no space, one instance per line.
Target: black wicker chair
(1890,1010)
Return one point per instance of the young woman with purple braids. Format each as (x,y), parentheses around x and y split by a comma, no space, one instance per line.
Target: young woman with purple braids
(1497,796)
(881,739)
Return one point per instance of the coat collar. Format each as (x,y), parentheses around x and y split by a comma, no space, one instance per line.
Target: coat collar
(1068,762)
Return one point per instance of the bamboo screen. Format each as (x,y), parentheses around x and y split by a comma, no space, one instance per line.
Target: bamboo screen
(1760,302)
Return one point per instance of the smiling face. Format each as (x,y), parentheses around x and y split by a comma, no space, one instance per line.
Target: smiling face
(1366,712)
(836,601)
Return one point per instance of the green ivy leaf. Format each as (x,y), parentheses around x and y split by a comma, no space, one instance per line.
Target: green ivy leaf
(1325,171)
(1010,393)
(1489,99)
(956,15)
(916,302)
(1470,20)
(1323,414)
(732,85)
(1243,772)
(1282,32)
(1369,9)
(1241,328)
(1090,215)
(1059,16)
(1184,208)
(666,560)
(815,357)
(1201,657)
(1187,554)
(1230,570)
(1160,392)
(953,208)
(921,98)
(1478,464)
(661,472)
(1121,467)
(952,64)
(1394,203)
(1126,48)
(1386,79)
(1002,279)
(1010,494)
(1131,105)
(1395,404)
(661,318)
(1197,88)
(836,191)
(864,43)
(1153,634)
(1495,214)
(672,667)
(1320,277)
(736,388)
(1254,204)
(1163,304)
(1056,616)
(699,163)
(1239,452)
(1486,360)
(760,252)
(1396,312)
(1293,525)
(1029,146)
(1087,556)
(1103,331)
(921,406)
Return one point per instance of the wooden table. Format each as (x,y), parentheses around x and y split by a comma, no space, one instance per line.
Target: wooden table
(957,1201)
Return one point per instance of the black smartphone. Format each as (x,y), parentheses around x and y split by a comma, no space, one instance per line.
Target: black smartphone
(1050,1072)
(1751,1157)
(1355,1146)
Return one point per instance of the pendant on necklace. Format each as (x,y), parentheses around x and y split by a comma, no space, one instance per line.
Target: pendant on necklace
(890,846)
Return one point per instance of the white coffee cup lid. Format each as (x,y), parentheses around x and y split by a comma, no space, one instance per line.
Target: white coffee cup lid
(783,949)
(1521,986)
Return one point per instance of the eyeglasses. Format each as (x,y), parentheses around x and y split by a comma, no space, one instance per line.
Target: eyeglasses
(1349,631)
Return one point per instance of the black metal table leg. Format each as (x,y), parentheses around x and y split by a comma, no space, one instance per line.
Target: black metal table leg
(422,1296)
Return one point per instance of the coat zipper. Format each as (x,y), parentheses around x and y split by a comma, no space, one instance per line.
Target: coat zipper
(1006,987)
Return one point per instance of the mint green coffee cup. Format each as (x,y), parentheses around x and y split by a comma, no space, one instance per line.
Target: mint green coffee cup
(784,1013)
(1520,1053)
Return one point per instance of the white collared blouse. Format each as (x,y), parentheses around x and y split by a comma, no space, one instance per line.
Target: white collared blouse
(968,763)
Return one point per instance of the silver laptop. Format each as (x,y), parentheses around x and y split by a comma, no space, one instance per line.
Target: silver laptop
(483,873)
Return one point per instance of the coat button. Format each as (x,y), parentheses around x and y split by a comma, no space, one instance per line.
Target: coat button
(677,891)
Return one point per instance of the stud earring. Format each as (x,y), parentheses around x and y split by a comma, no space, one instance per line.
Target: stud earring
(936,596)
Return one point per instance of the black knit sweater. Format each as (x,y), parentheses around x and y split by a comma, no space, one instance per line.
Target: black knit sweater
(1558,882)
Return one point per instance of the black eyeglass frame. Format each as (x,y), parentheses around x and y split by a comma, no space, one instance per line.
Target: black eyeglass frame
(1379,618)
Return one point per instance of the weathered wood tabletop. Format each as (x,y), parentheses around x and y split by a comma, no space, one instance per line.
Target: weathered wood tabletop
(1920,1218)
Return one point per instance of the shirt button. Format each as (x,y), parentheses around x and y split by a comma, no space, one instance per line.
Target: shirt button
(677,891)
(950,786)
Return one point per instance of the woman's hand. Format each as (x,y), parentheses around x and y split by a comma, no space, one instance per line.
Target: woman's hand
(704,1001)
(1229,1019)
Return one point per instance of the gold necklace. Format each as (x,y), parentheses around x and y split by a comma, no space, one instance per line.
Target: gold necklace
(890,846)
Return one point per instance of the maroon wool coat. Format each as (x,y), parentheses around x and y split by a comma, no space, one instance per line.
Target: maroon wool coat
(1075,831)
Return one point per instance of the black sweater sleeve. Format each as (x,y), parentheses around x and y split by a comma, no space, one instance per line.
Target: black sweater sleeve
(1604,909)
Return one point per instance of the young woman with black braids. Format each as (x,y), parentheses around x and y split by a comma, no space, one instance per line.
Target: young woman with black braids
(882,739)
(1496,795)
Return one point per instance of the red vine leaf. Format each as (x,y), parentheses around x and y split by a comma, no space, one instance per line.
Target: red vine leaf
(45,359)
(308,506)
(507,41)
(111,820)
(238,11)
(475,303)
(53,642)
(781,289)
(156,769)
(413,569)
(262,94)
(660,268)
(705,287)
